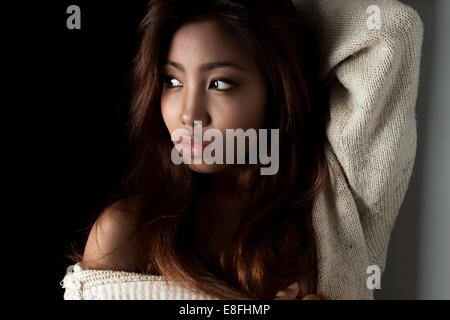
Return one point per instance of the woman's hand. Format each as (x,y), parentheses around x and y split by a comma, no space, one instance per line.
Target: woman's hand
(291,293)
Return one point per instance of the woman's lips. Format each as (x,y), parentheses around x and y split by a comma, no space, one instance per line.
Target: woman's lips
(192,145)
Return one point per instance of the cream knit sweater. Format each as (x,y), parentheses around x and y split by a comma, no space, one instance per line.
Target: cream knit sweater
(372,134)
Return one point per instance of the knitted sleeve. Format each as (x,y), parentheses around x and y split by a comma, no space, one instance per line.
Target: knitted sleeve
(373,49)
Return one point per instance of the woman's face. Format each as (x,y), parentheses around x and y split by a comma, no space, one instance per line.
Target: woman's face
(209,78)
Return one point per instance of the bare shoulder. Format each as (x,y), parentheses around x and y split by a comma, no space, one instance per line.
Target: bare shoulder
(111,244)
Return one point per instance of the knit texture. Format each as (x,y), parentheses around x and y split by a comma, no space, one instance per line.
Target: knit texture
(374,76)
(83,284)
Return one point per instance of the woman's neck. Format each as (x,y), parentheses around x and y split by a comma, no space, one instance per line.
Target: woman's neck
(230,182)
(221,206)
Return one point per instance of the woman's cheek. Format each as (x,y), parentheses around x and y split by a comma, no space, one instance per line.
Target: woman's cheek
(251,103)
(238,111)
(169,111)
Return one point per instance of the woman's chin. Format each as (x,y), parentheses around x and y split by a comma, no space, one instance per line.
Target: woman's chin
(207,168)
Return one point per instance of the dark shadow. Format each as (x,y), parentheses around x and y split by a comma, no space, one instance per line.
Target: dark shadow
(400,278)
(91,143)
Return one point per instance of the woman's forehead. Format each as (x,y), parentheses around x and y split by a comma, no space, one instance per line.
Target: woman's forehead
(205,43)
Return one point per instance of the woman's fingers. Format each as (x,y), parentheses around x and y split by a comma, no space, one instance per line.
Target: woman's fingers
(290,293)
(316,297)
(311,297)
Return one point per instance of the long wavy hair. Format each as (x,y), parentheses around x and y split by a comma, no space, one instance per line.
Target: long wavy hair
(274,244)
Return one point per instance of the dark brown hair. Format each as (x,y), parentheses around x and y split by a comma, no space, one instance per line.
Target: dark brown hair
(274,244)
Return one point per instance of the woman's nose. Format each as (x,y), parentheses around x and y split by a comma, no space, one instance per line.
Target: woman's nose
(194,109)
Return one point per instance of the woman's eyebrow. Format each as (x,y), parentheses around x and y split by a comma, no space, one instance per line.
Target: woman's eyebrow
(209,65)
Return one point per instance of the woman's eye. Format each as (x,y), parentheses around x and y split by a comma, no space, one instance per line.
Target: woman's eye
(221,85)
(172,82)
(217,84)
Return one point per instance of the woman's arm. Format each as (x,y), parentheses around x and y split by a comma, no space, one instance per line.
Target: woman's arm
(372,128)
(111,244)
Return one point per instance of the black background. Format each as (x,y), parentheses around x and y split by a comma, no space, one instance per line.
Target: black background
(91,102)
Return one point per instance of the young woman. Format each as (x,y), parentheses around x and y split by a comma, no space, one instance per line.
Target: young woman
(224,230)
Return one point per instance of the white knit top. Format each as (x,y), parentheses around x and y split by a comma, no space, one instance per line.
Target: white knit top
(373,49)
(81,284)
